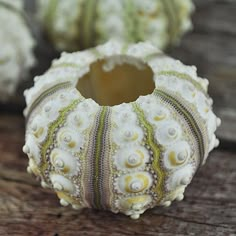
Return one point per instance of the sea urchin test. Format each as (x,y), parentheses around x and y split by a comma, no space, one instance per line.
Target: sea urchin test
(118,127)
(17,43)
(75,24)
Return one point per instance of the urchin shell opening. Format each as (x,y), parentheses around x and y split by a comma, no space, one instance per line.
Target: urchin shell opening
(115,80)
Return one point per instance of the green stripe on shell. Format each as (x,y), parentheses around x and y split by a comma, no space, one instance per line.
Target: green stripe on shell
(156,152)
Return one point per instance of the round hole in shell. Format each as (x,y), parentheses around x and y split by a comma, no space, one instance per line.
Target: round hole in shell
(115,80)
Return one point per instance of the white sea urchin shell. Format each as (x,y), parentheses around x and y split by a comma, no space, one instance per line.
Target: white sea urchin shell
(16,54)
(103,153)
(80,23)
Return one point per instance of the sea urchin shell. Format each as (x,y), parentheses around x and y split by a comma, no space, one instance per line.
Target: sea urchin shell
(16,55)
(76,24)
(92,138)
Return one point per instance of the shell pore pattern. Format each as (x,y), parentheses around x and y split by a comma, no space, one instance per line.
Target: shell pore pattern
(128,157)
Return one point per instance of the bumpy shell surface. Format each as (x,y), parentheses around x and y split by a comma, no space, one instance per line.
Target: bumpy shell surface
(127,157)
(16,54)
(76,24)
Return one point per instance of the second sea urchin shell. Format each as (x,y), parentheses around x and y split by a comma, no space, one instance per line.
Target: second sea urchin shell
(16,55)
(76,24)
(93,139)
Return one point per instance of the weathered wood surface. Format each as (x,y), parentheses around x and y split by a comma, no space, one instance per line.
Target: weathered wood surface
(209,207)
(26,208)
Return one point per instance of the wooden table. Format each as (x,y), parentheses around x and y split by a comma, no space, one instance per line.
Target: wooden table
(209,207)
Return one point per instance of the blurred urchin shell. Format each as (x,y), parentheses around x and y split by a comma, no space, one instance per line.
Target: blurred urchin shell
(16,54)
(98,144)
(76,24)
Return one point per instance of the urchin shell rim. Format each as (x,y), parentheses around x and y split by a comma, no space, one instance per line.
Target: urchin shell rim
(123,52)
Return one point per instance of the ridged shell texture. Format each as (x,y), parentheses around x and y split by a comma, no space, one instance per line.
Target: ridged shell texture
(124,158)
